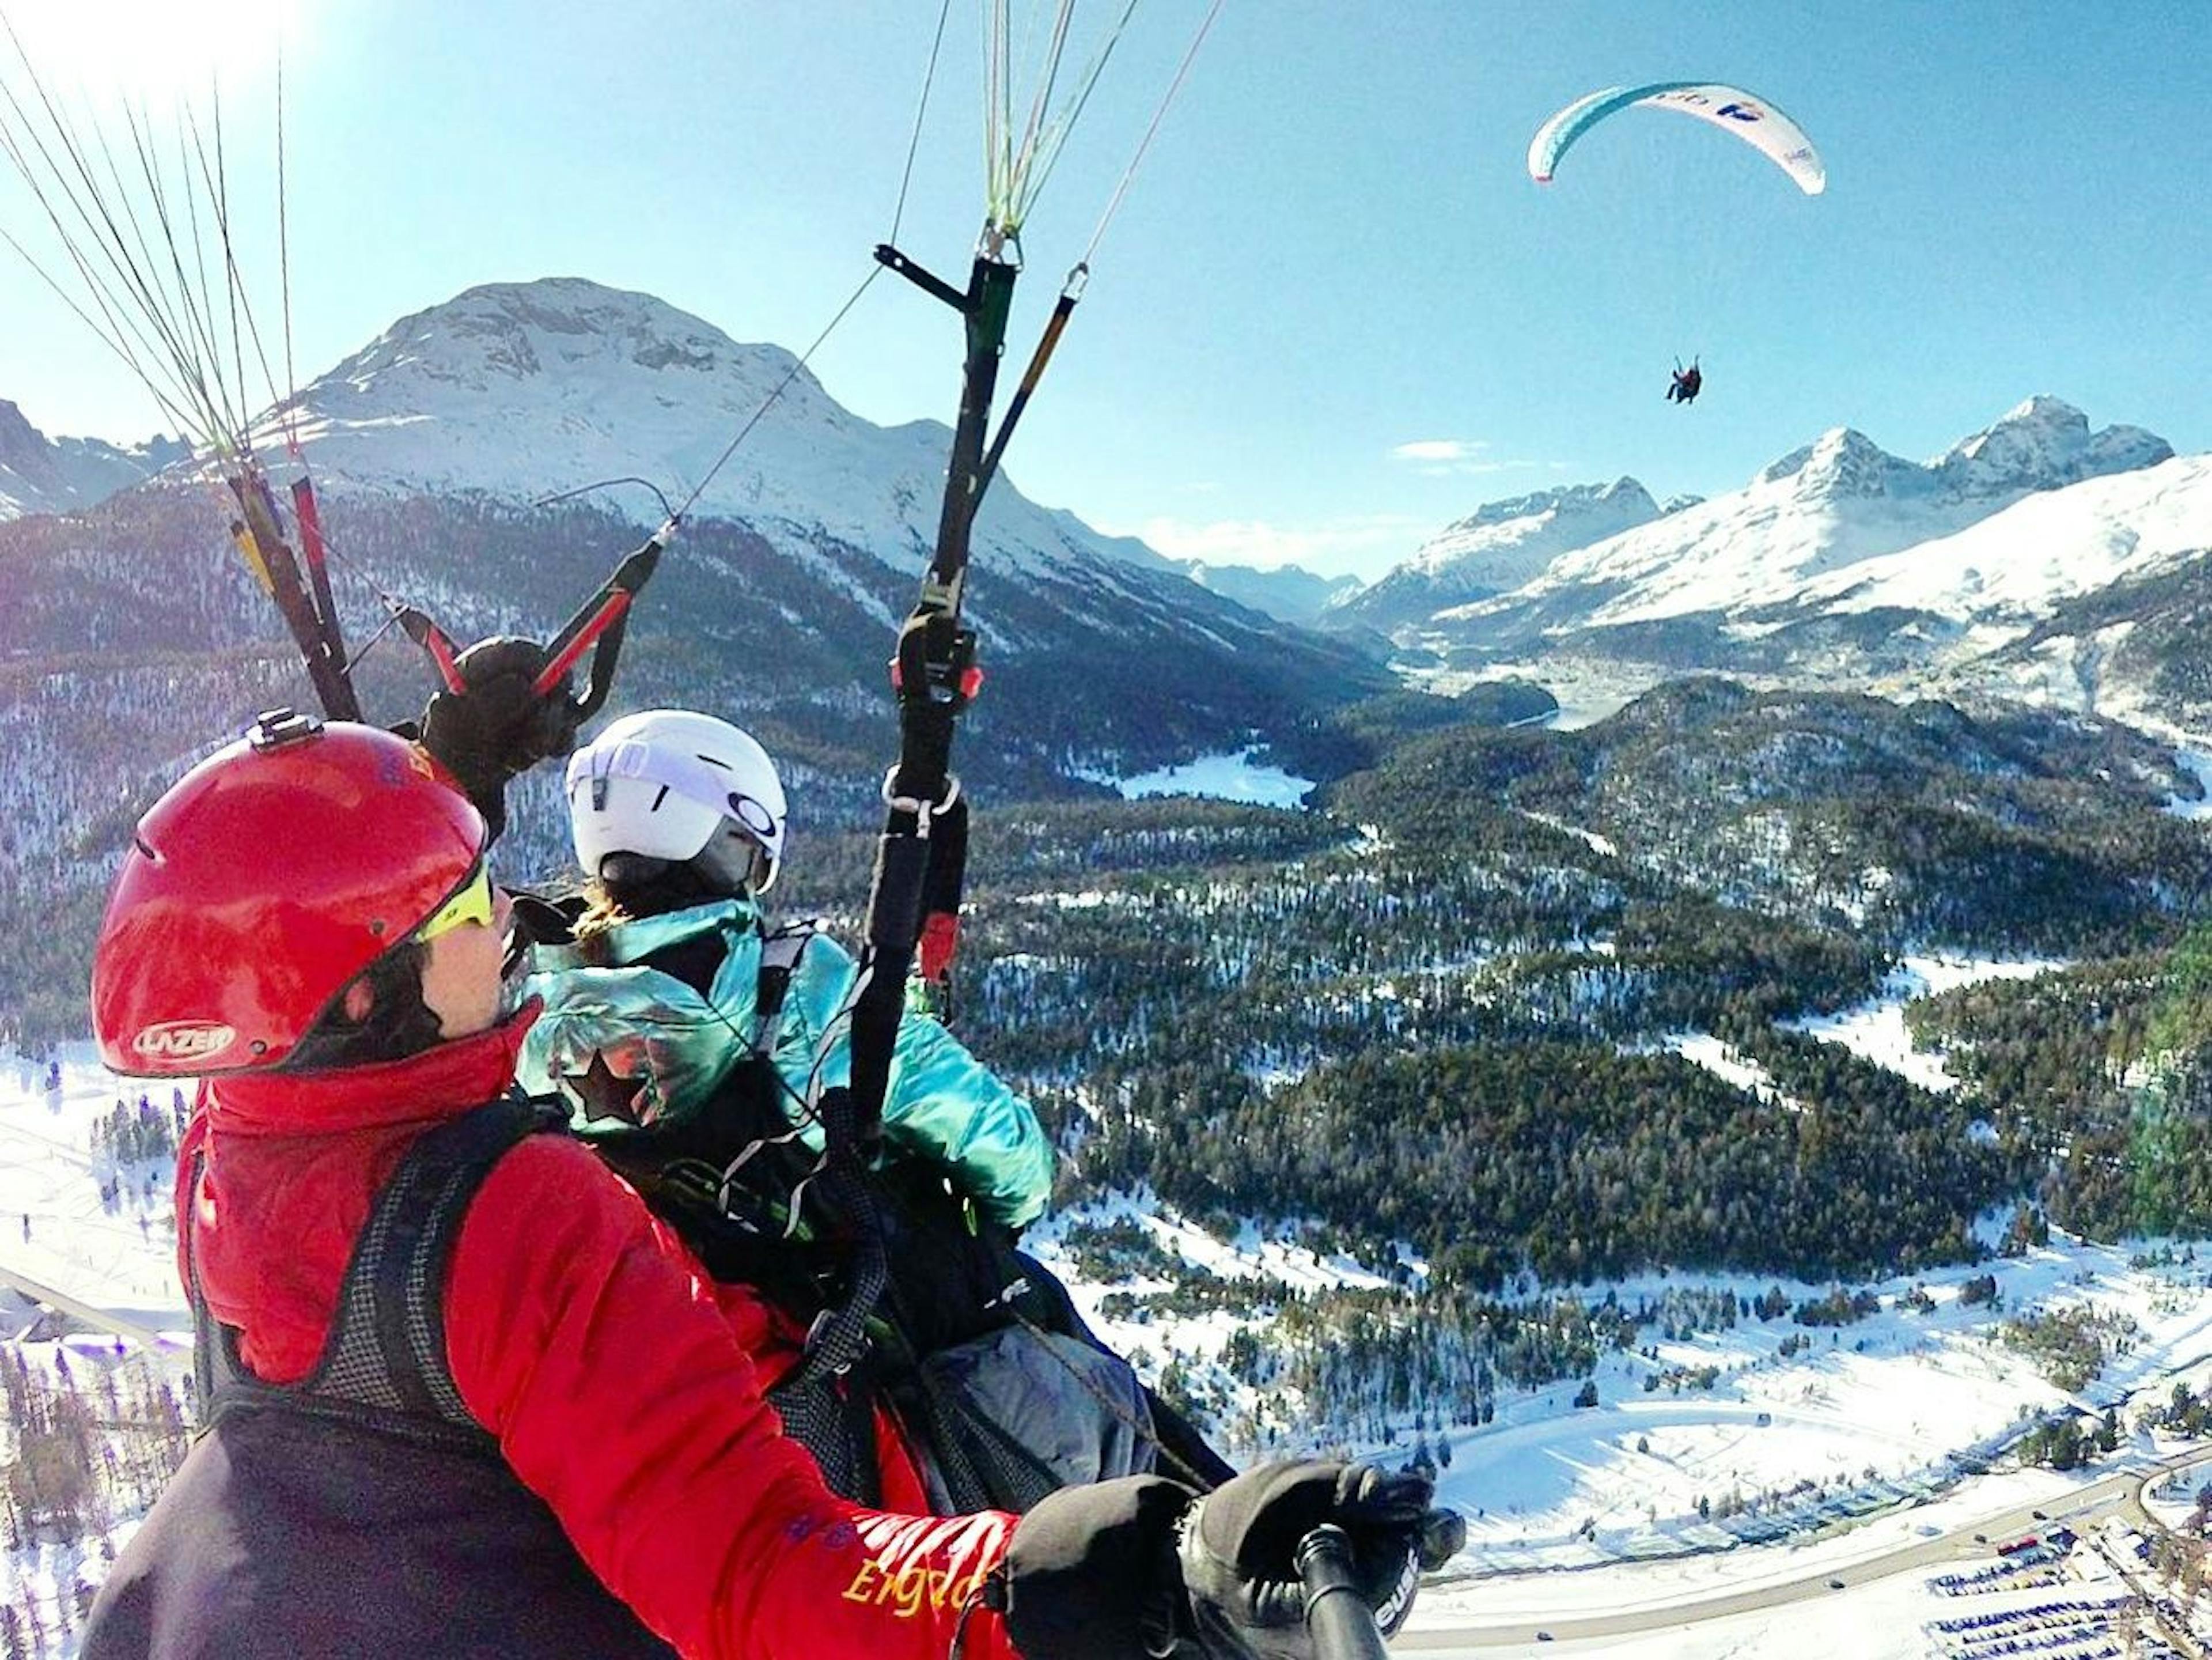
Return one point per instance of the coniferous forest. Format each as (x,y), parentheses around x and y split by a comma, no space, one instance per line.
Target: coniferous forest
(1436,1016)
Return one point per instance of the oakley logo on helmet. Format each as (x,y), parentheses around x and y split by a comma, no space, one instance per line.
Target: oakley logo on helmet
(755,816)
(183,1040)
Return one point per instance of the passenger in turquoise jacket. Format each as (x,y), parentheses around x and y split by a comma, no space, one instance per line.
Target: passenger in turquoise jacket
(624,1040)
(680,820)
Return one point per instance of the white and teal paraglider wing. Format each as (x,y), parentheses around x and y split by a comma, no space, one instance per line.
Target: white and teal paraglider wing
(1749,117)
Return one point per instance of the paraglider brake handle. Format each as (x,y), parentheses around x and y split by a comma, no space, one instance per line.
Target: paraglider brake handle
(1342,1625)
(890,257)
(599,621)
(418,627)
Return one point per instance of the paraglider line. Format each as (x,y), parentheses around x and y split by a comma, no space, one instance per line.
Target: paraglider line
(1173,87)
(284,264)
(922,109)
(791,375)
(586,490)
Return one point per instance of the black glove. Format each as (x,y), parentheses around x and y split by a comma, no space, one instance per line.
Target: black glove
(1091,1572)
(496,727)
(1145,1566)
(1239,1550)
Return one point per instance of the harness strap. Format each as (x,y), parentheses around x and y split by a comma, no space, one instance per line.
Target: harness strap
(384,1365)
(779,955)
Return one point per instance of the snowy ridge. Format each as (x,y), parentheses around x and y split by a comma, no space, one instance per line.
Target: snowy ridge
(2042,443)
(1834,504)
(1290,593)
(1501,545)
(2049,546)
(1498,527)
(63,474)
(517,389)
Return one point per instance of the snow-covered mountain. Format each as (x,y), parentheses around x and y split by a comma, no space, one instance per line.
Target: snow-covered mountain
(779,599)
(1500,546)
(2092,596)
(1836,501)
(1290,593)
(1840,559)
(2019,563)
(2043,444)
(63,475)
(519,389)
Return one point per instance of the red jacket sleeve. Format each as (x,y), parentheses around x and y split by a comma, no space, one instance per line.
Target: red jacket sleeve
(586,1337)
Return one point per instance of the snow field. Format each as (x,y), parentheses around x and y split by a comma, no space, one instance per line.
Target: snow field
(1876,1030)
(118,1254)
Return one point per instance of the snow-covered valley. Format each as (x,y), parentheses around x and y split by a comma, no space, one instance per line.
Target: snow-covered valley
(1730,1447)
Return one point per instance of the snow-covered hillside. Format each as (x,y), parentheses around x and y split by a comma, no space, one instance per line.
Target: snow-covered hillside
(518,390)
(1287,593)
(2053,545)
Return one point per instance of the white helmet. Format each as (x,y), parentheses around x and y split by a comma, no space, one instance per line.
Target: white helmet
(667,784)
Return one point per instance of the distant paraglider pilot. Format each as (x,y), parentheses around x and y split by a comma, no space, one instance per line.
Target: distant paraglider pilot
(1688,383)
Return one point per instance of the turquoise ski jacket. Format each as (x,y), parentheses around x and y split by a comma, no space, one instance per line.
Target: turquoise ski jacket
(617,1018)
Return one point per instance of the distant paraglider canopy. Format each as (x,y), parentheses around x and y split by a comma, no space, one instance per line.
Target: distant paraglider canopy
(1732,109)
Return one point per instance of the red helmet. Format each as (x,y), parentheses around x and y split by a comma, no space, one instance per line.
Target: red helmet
(261,883)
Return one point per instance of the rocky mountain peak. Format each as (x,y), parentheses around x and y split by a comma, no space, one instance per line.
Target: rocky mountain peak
(23,447)
(1623,496)
(1499,546)
(516,390)
(63,475)
(1842,461)
(2043,444)
(555,328)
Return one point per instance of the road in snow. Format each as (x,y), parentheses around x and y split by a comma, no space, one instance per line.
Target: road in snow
(1665,1615)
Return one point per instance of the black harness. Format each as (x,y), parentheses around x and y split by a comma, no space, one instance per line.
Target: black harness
(361,1512)
(384,1365)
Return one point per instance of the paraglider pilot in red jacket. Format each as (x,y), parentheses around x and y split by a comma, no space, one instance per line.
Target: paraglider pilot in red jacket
(514,1422)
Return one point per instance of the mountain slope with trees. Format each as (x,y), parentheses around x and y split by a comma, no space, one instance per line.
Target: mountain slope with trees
(1436,1014)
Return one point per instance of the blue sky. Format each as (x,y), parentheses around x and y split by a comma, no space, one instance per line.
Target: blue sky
(1333,251)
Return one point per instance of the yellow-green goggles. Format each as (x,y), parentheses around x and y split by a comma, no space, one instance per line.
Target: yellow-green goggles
(473,903)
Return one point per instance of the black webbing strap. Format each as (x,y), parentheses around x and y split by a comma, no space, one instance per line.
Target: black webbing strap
(410,1238)
(840,1334)
(922,796)
(935,676)
(384,1365)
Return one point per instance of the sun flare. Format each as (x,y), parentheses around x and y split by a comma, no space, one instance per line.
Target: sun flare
(148,51)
